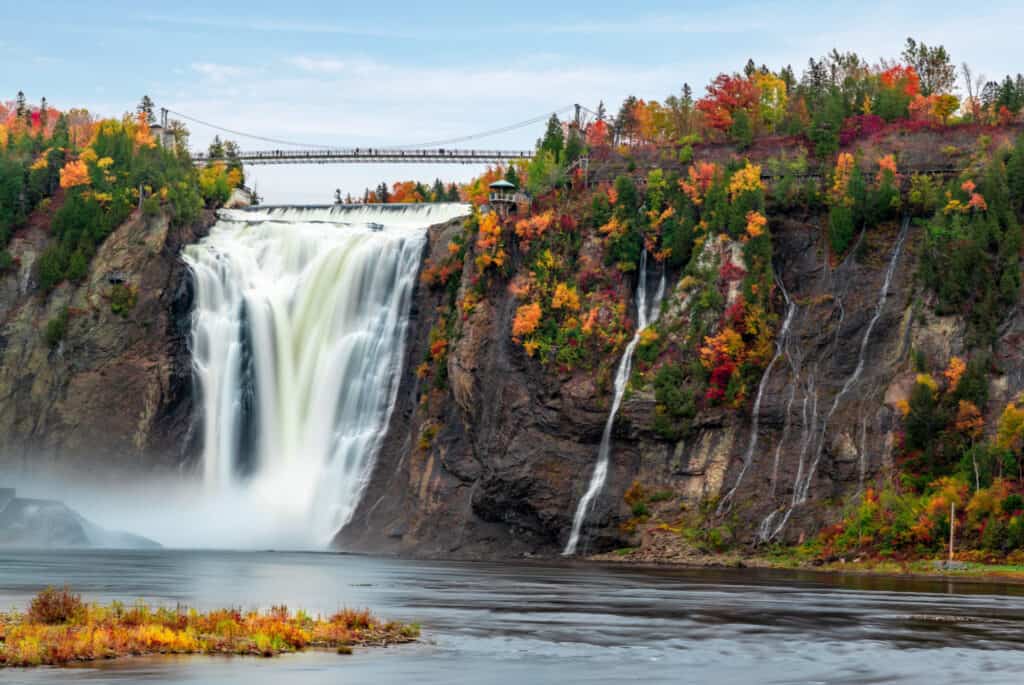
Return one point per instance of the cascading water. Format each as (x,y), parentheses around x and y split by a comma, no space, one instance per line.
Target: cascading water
(802,484)
(297,341)
(755,412)
(645,317)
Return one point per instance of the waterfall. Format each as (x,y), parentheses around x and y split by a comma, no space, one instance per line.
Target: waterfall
(755,412)
(297,344)
(645,317)
(802,484)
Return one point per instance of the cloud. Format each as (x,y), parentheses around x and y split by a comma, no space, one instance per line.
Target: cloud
(261,25)
(219,73)
(331,65)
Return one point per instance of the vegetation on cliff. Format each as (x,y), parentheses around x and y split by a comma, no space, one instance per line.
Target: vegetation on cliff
(59,628)
(95,173)
(701,185)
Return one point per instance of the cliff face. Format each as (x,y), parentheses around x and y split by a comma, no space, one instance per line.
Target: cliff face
(115,388)
(510,445)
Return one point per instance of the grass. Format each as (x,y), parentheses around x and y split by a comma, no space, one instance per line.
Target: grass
(59,628)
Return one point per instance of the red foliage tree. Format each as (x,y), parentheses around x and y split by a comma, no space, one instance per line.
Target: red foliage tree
(726,95)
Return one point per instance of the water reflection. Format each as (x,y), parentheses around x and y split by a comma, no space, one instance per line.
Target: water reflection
(558,623)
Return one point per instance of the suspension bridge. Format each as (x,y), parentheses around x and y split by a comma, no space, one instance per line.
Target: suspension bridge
(449,151)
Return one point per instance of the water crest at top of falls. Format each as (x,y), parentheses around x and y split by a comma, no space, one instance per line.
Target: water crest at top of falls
(297,339)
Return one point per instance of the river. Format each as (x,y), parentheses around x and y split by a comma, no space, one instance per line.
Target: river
(572,622)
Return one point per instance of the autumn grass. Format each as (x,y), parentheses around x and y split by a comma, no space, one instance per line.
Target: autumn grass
(59,628)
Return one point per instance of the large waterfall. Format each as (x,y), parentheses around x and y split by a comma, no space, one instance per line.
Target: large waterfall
(297,341)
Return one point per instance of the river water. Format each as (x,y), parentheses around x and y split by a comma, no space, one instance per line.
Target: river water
(554,622)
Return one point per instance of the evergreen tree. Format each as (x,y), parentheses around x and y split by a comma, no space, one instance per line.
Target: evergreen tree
(553,140)
(512,176)
(825,125)
(44,117)
(453,193)
(61,137)
(625,123)
(20,108)
(573,147)
(145,106)
(1015,176)
(741,132)
(437,191)
(216,149)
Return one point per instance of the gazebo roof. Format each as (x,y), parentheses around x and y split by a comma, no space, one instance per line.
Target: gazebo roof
(503,184)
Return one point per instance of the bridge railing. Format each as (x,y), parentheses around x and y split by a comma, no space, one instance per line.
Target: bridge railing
(371,155)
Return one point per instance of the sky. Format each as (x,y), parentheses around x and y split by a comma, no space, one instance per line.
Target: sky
(376,74)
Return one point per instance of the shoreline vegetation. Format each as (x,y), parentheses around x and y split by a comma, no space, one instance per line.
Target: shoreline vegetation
(59,628)
(790,560)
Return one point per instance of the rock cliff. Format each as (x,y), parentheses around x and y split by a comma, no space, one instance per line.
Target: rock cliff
(108,384)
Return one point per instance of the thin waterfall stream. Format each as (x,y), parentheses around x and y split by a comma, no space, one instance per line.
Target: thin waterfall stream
(802,484)
(645,317)
(297,341)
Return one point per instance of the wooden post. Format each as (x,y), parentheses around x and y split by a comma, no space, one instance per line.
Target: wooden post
(952,525)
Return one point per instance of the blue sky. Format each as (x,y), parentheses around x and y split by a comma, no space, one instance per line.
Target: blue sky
(402,72)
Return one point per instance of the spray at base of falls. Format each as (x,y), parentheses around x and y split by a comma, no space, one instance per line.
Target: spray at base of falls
(297,343)
(645,317)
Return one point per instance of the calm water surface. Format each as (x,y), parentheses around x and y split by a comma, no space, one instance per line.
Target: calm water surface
(548,623)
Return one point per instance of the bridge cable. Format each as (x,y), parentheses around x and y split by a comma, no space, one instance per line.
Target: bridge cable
(435,143)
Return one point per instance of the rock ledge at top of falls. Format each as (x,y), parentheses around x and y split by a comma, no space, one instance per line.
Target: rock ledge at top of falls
(50,524)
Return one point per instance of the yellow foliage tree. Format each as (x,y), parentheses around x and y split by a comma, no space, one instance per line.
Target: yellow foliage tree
(841,178)
(772,100)
(745,180)
(1010,429)
(565,297)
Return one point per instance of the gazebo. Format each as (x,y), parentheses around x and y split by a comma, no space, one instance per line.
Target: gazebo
(505,198)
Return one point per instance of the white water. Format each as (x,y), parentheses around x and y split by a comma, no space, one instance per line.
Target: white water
(645,317)
(755,414)
(298,334)
(802,484)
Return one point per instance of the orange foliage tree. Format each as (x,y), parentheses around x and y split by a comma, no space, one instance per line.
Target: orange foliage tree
(526,320)
(74,173)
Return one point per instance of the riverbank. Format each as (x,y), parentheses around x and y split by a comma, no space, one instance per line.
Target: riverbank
(58,628)
(688,557)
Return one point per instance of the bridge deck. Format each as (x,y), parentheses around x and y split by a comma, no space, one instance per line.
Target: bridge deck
(369,155)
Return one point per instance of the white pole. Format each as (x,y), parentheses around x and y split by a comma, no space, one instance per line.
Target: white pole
(952,525)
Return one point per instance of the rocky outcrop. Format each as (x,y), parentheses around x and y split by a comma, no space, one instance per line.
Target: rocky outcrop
(513,445)
(115,388)
(48,524)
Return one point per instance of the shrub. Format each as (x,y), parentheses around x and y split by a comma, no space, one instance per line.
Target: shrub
(840,228)
(151,206)
(122,299)
(1012,504)
(56,328)
(53,606)
(640,509)
(675,402)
